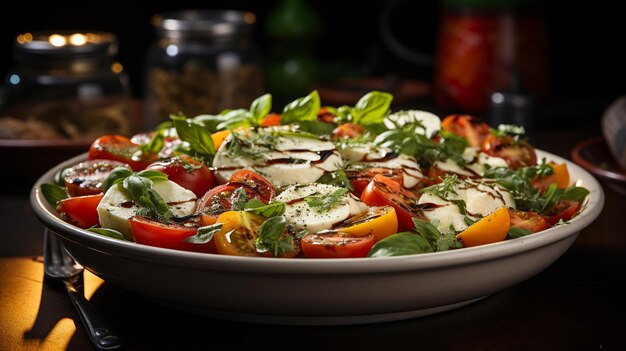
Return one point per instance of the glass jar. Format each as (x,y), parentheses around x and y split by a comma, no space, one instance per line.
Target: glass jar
(202,62)
(66,84)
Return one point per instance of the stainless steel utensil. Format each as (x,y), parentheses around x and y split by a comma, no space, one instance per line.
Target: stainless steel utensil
(61,267)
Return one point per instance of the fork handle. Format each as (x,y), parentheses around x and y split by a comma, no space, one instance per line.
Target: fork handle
(100,334)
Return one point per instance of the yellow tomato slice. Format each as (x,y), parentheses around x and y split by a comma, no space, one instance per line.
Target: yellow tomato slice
(561,175)
(238,234)
(378,220)
(490,229)
(219,137)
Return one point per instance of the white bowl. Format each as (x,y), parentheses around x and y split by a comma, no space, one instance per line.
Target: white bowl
(319,291)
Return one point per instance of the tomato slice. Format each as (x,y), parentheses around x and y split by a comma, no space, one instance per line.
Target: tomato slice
(81,211)
(490,229)
(152,232)
(530,220)
(187,172)
(516,153)
(361,178)
(347,130)
(86,177)
(239,234)
(259,183)
(470,127)
(223,197)
(336,245)
(272,119)
(563,210)
(378,220)
(383,191)
(122,149)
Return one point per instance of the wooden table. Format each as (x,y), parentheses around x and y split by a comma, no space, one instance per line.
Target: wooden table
(578,303)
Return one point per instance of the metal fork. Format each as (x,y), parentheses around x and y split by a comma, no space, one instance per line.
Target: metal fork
(61,267)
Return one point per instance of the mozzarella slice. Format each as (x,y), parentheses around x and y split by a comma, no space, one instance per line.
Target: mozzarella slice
(313,219)
(481,197)
(116,207)
(476,163)
(288,159)
(430,122)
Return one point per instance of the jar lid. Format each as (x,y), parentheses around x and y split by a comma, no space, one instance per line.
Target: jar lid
(211,23)
(64,44)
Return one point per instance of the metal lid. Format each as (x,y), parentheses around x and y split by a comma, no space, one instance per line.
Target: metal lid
(211,23)
(64,44)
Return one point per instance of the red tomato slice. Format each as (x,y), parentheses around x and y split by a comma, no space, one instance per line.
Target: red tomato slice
(516,153)
(222,198)
(336,245)
(272,119)
(563,210)
(383,191)
(81,211)
(360,179)
(187,172)
(347,130)
(471,128)
(151,232)
(119,148)
(260,184)
(86,177)
(527,220)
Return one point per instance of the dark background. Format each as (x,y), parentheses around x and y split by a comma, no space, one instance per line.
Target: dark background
(586,56)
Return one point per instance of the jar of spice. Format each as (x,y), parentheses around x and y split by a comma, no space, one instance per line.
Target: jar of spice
(65,85)
(202,62)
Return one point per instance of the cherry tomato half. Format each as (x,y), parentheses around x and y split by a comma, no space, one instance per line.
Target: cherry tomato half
(563,210)
(223,197)
(86,177)
(119,148)
(336,245)
(378,220)
(360,179)
(259,183)
(383,191)
(530,220)
(187,172)
(81,211)
(516,153)
(152,232)
(470,127)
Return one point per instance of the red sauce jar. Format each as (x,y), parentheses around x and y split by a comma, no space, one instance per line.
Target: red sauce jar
(483,46)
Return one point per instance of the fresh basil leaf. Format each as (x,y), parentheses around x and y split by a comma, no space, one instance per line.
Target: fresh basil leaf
(574,193)
(271,236)
(117,175)
(325,203)
(372,107)
(276,208)
(316,127)
(427,230)
(204,234)
(236,118)
(210,122)
(337,178)
(550,198)
(260,107)
(155,144)
(53,193)
(152,174)
(400,244)
(111,233)
(198,137)
(143,194)
(302,109)
(518,232)
(240,198)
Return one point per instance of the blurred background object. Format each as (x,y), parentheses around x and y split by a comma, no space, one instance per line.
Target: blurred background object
(614,129)
(201,62)
(65,84)
(585,70)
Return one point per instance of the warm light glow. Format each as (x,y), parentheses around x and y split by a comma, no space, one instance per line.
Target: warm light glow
(57,40)
(24,38)
(92,38)
(116,67)
(78,39)
(249,18)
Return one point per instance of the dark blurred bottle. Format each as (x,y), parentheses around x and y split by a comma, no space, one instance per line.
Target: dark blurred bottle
(292,27)
(483,45)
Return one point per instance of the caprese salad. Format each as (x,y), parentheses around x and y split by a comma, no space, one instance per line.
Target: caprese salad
(317,181)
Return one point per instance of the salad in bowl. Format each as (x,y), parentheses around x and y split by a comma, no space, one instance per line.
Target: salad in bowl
(315,181)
